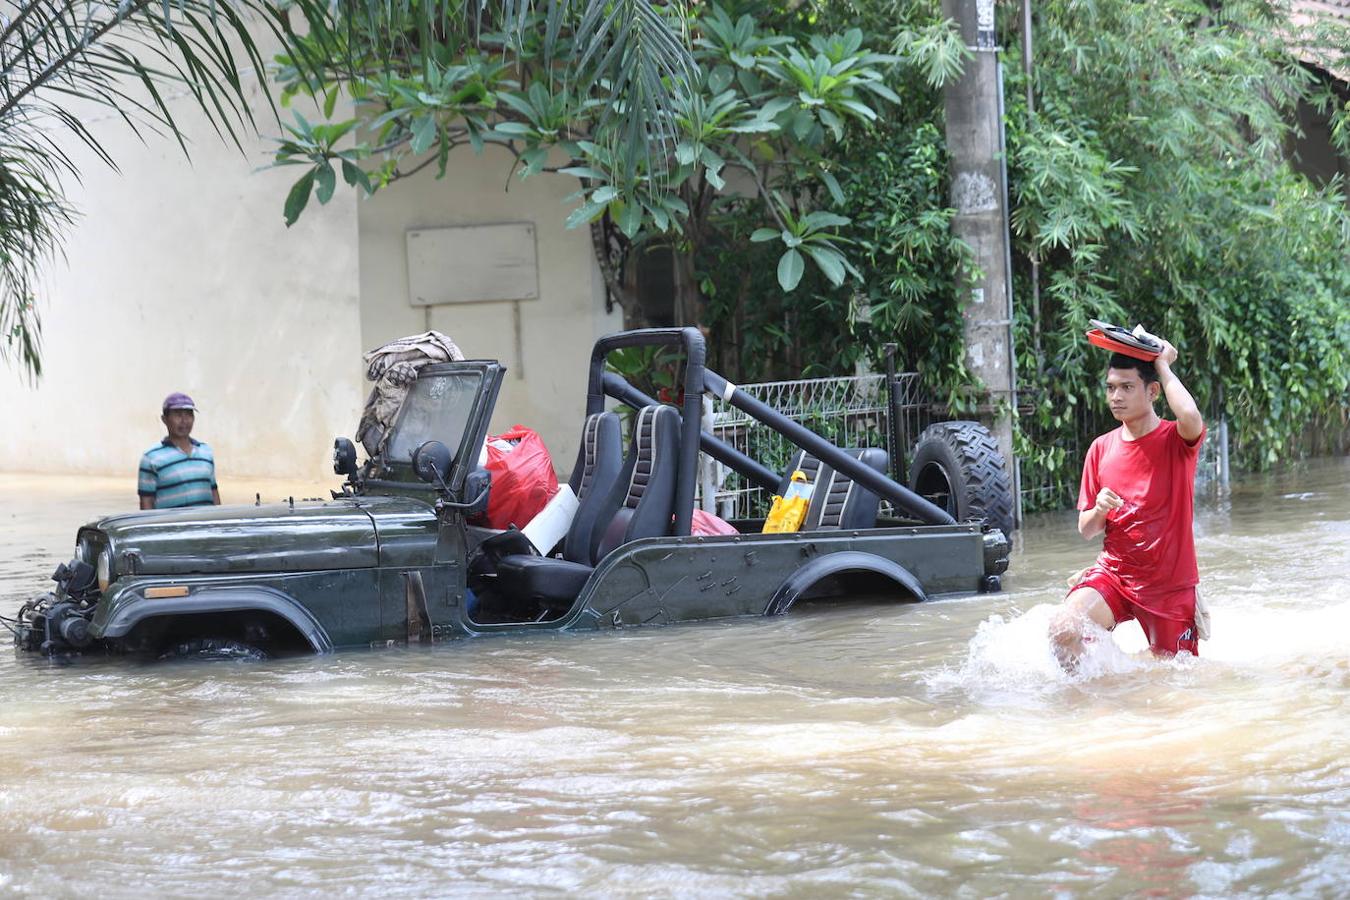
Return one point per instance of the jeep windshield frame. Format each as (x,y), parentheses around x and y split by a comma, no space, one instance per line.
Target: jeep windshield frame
(450,403)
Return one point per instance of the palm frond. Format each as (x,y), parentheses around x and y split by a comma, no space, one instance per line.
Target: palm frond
(59,59)
(33,218)
(642,58)
(637,49)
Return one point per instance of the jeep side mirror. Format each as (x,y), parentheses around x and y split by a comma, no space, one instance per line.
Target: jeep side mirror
(477,485)
(344,457)
(431,462)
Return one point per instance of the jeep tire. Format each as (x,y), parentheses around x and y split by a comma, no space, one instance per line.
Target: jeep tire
(214,649)
(958,467)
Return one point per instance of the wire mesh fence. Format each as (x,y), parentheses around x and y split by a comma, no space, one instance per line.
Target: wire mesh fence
(1050,481)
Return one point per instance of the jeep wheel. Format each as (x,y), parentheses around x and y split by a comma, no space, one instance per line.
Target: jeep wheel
(958,467)
(217,649)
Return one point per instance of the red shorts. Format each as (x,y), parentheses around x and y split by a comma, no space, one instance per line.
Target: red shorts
(1167,636)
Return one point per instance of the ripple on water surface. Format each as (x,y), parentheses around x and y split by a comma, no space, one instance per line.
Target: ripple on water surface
(916,750)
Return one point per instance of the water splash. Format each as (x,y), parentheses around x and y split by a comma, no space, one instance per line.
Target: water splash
(1009,661)
(1010,658)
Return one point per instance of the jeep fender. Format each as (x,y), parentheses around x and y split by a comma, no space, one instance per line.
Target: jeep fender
(223,599)
(806,577)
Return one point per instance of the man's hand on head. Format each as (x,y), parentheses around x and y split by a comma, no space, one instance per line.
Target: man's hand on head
(1168,354)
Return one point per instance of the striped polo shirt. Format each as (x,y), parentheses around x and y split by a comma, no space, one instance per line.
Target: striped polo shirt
(175,478)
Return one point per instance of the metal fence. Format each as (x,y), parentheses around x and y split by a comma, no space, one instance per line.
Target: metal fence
(847,411)
(852,412)
(1044,485)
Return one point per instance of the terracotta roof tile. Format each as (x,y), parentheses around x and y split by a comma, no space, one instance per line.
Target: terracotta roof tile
(1306,13)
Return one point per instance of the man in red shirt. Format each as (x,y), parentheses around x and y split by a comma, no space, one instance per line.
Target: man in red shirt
(1138,488)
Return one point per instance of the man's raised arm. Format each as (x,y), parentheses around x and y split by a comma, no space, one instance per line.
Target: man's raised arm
(1190,424)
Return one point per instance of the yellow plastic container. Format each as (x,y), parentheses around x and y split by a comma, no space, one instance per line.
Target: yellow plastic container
(789,511)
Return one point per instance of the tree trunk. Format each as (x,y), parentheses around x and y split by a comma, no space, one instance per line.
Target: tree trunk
(605,254)
(688,297)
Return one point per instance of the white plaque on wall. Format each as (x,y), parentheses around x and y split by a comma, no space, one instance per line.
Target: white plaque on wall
(472,264)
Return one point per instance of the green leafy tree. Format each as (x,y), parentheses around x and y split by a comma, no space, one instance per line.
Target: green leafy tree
(893,180)
(662,137)
(1153,184)
(60,59)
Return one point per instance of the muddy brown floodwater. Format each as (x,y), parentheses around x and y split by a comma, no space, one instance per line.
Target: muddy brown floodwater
(925,750)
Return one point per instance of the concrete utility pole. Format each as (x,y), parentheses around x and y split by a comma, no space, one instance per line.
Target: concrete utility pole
(974,105)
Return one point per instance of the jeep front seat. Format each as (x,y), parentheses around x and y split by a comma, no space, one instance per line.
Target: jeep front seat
(641,504)
(599,461)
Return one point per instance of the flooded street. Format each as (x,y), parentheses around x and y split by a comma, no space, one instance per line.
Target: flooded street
(919,750)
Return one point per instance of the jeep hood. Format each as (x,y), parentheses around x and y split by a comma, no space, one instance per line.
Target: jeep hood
(341,534)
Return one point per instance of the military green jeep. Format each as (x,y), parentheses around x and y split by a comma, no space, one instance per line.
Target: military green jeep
(394,556)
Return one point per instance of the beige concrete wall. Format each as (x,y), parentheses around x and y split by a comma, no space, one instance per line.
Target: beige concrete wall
(182,276)
(545,343)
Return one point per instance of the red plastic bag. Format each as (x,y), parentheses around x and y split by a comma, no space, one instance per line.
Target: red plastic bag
(523,480)
(707,523)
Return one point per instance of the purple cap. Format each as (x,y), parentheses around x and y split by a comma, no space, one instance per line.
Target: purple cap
(179,401)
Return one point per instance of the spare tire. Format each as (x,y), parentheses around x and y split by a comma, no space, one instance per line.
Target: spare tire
(958,467)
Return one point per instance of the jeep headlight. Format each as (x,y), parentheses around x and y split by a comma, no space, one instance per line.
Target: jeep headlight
(104,569)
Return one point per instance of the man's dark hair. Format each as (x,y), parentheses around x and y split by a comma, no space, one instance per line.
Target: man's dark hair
(1145,369)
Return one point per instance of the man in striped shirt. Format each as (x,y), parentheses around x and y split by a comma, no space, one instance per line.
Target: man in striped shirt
(179,471)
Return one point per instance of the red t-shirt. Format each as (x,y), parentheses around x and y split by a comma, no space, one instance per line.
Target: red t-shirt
(1149,545)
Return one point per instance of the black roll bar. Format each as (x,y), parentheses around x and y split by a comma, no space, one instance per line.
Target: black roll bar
(698,379)
(695,354)
(618,387)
